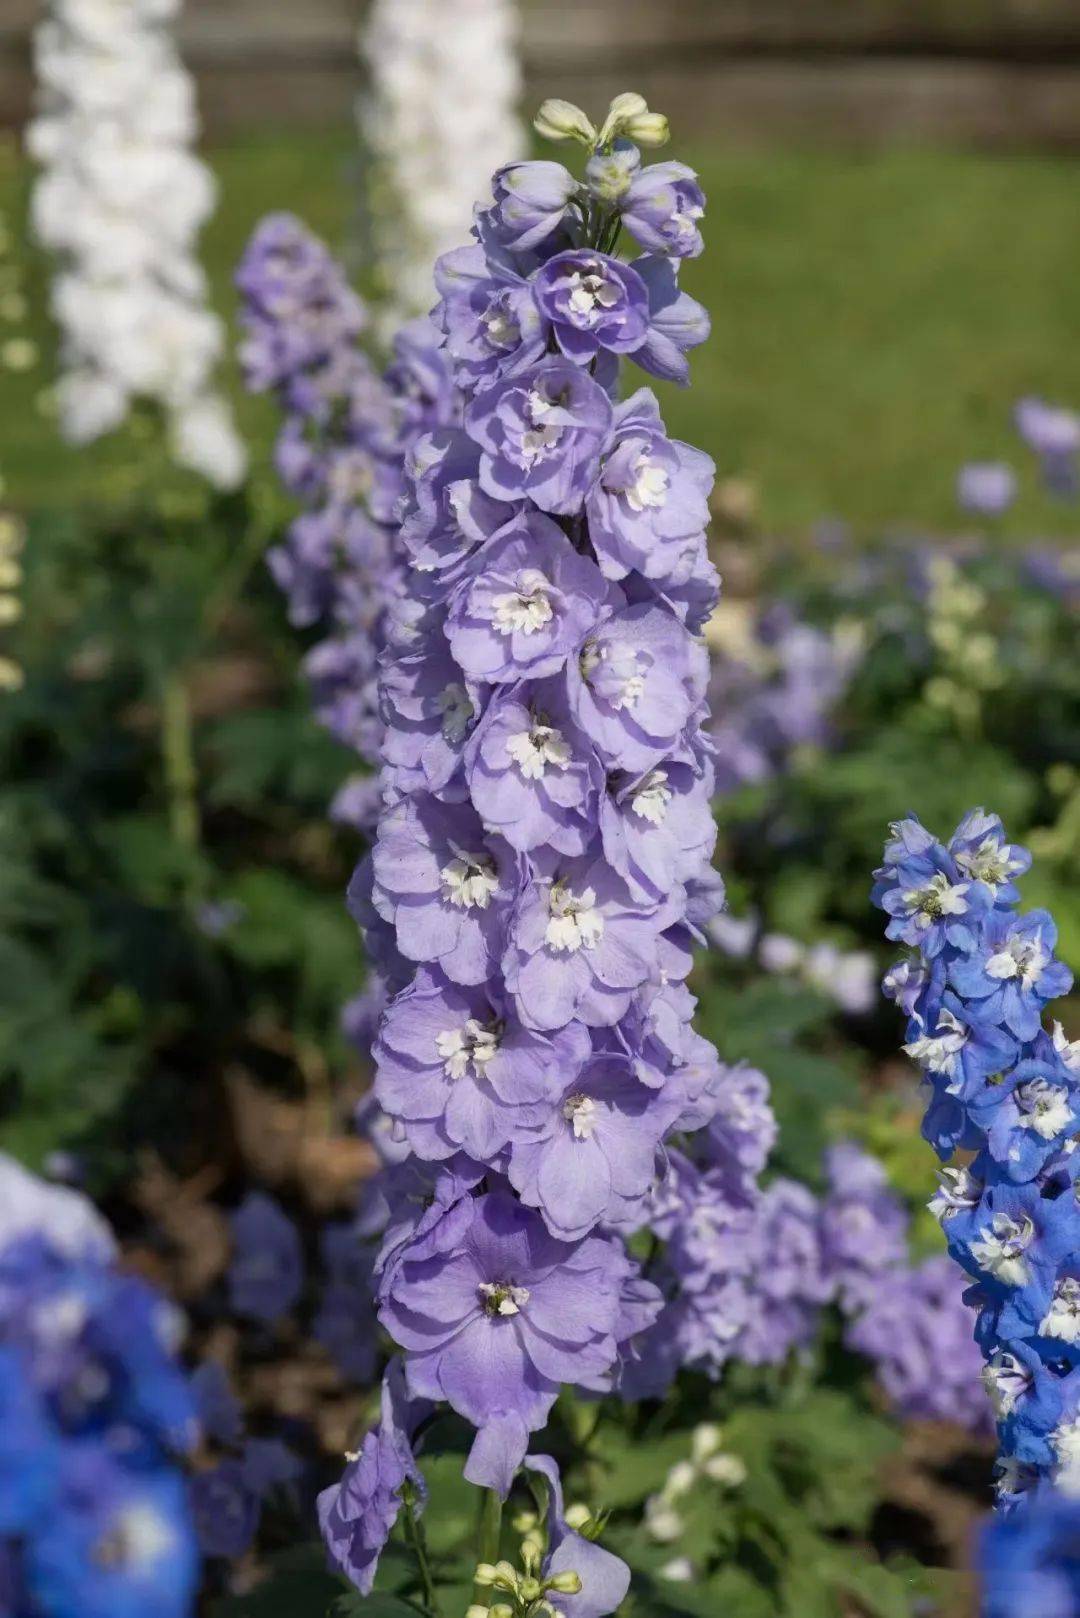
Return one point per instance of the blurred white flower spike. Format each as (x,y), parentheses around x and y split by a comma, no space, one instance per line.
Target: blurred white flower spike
(121,199)
(439,114)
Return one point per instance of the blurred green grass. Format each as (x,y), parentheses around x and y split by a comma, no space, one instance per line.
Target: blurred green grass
(874,318)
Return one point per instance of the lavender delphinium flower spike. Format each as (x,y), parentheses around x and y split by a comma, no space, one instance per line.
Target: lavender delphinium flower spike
(541,866)
(1007,1089)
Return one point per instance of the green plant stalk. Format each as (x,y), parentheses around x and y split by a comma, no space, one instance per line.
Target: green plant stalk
(181,776)
(417,1539)
(488,1540)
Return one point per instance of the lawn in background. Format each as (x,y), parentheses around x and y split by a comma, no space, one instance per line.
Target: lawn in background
(874,318)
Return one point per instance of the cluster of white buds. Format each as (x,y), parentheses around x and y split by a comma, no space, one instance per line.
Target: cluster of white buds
(121,200)
(529,1591)
(439,114)
(966,653)
(628,118)
(707,1462)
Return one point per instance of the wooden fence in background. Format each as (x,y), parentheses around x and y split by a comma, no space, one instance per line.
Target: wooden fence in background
(1002,73)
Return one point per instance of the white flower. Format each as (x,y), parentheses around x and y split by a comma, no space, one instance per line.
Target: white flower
(444,82)
(120,201)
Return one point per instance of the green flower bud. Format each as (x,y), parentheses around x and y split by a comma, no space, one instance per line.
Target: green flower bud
(530,1589)
(650,129)
(561,120)
(578,1517)
(567,1584)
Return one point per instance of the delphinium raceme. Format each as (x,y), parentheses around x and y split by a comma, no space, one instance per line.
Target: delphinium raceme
(121,200)
(341,452)
(542,866)
(1004,1091)
(94,1409)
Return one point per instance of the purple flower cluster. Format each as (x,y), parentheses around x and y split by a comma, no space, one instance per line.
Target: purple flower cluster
(974,988)
(94,1521)
(774,684)
(541,871)
(227,1497)
(341,453)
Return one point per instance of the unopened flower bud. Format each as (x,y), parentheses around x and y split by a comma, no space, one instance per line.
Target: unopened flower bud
(705,1440)
(680,1480)
(525,1522)
(578,1517)
(10,610)
(477,1611)
(567,1584)
(561,120)
(530,1589)
(501,1609)
(727,1469)
(651,129)
(506,1576)
(11,675)
(530,1555)
(608,173)
(485,1574)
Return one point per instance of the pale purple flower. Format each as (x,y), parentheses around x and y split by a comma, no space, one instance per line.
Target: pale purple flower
(987,488)
(266,1272)
(540,434)
(532,775)
(579,945)
(635,684)
(662,206)
(461,1076)
(592,302)
(593,1157)
(492,324)
(649,506)
(445,886)
(357,1514)
(657,826)
(532,202)
(605,1579)
(863,1225)
(677,322)
(529,607)
(496,1322)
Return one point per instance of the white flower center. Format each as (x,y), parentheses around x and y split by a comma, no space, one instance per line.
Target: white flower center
(1043,1107)
(454,703)
(472,1046)
(533,750)
(958,1189)
(502,1298)
(940,1051)
(590,295)
(501,328)
(1062,1319)
(1067,1049)
(651,797)
(991,862)
(580,1113)
(469,880)
(573,920)
(939,898)
(650,486)
(1006,1381)
(1022,958)
(1066,1442)
(527,608)
(138,1537)
(1000,1252)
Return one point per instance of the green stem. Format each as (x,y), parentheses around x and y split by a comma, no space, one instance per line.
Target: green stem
(414,1533)
(488,1540)
(178,758)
